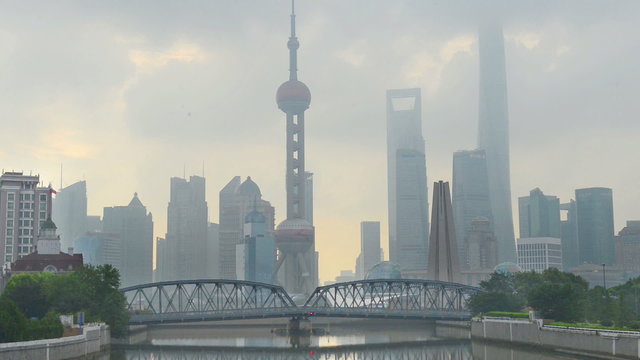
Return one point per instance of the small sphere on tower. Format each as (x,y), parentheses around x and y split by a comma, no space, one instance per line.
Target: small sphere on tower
(293,96)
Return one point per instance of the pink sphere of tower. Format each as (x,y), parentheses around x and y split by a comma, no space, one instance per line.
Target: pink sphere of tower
(293,96)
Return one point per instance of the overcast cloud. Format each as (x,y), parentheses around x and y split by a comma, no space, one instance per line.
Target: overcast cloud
(127,94)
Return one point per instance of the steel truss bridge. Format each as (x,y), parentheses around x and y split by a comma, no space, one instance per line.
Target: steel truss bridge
(429,350)
(216,300)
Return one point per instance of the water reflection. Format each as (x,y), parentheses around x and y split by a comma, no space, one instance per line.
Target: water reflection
(439,350)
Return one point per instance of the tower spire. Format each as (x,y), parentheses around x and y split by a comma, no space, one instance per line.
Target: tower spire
(293,46)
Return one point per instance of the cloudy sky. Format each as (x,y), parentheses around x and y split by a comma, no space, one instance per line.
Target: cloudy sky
(128,94)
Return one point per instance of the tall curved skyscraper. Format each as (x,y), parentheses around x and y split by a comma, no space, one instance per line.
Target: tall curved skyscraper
(493,135)
(295,237)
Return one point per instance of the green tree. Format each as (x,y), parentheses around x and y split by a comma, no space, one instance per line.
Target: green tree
(495,301)
(28,292)
(49,327)
(556,301)
(13,324)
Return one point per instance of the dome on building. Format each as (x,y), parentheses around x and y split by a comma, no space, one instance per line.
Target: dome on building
(507,268)
(294,96)
(48,224)
(295,224)
(384,270)
(249,188)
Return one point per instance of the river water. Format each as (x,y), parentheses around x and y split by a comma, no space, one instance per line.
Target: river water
(362,339)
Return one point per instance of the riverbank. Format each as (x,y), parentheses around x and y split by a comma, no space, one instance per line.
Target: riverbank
(92,340)
(591,342)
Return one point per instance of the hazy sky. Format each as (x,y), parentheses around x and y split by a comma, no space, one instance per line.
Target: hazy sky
(125,94)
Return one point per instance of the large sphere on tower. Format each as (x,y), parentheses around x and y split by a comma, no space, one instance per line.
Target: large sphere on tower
(294,235)
(293,96)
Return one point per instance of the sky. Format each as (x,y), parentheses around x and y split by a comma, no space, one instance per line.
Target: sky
(127,94)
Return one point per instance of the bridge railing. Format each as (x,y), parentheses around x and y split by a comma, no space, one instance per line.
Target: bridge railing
(394,295)
(204,296)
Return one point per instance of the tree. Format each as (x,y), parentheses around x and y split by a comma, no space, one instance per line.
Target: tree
(28,292)
(495,301)
(556,301)
(48,327)
(13,324)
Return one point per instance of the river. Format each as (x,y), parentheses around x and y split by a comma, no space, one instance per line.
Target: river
(360,339)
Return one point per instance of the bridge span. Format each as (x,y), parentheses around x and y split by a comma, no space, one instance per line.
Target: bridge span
(218,300)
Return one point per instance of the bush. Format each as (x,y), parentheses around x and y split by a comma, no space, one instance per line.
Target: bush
(13,324)
(494,301)
(513,315)
(49,327)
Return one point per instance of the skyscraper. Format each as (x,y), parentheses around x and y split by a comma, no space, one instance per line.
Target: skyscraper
(370,252)
(134,227)
(443,252)
(70,213)
(470,195)
(407,180)
(539,215)
(295,236)
(569,236)
(24,207)
(259,249)
(187,224)
(493,135)
(594,211)
(236,201)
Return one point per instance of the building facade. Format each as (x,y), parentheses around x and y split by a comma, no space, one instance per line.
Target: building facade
(443,251)
(24,207)
(186,239)
(627,249)
(98,248)
(134,227)
(493,136)
(539,254)
(569,235)
(407,180)
(370,251)
(470,196)
(539,215)
(258,250)
(594,212)
(237,200)
(70,212)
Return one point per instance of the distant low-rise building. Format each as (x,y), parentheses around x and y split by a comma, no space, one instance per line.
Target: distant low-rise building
(627,247)
(539,253)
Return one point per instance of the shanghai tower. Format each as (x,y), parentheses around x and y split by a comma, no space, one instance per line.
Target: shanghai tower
(493,135)
(295,236)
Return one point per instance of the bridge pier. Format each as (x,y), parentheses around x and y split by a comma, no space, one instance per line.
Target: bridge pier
(299,324)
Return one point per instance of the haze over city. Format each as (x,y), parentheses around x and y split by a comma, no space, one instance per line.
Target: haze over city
(128,99)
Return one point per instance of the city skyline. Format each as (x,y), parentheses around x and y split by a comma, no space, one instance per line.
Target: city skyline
(75,127)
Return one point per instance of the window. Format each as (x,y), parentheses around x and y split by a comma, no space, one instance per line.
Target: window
(11,196)
(8,241)
(10,205)
(10,223)
(8,249)
(43,215)
(9,232)
(43,197)
(10,214)
(8,258)
(43,206)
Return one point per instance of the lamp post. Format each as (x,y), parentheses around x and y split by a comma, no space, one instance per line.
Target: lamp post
(604,279)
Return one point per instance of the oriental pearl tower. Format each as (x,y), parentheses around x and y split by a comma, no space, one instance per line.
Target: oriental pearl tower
(295,235)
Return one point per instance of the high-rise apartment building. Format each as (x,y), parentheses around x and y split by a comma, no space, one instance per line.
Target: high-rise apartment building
(407,180)
(236,201)
(186,238)
(134,227)
(594,211)
(370,251)
(470,196)
(539,254)
(539,215)
(493,136)
(70,212)
(24,207)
